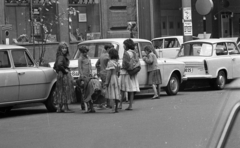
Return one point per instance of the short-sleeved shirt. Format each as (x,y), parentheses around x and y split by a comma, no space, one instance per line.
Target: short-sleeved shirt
(84,66)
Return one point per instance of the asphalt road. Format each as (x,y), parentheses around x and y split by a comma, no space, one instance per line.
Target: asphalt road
(34,127)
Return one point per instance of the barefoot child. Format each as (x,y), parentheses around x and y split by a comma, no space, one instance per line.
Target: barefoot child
(112,83)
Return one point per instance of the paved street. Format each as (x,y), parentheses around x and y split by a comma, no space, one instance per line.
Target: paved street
(33,127)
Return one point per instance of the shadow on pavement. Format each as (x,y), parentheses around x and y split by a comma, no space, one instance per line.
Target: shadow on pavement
(23,112)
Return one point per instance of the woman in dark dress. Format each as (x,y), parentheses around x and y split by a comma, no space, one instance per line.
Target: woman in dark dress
(64,86)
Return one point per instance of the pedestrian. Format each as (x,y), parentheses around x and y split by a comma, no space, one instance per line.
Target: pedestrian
(64,87)
(84,62)
(102,62)
(101,66)
(84,68)
(128,83)
(154,73)
(112,82)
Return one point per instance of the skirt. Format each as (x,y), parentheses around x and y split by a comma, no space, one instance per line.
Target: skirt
(129,83)
(154,77)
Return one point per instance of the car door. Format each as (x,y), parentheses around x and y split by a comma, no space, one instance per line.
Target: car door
(9,84)
(158,45)
(171,47)
(32,80)
(235,57)
(142,75)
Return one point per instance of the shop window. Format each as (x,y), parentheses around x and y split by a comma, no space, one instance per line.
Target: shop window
(84,20)
(42,26)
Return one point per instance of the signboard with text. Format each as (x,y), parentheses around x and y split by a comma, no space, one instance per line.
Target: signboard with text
(187,28)
(187,14)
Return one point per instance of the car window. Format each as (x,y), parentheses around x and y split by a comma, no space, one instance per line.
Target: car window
(171,43)
(221,49)
(233,137)
(21,59)
(196,49)
(232,48)
(4,60)
(157,44)
(95,49)
(142,45)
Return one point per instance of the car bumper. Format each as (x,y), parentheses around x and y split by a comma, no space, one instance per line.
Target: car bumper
(188,77)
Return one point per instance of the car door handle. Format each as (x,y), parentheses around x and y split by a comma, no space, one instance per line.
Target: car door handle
(21,73)
(233,59)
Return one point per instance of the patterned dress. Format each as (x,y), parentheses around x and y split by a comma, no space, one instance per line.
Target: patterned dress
(113,88)
(64,93)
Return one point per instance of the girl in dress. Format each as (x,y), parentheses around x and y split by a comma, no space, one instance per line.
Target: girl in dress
(112,83)
(154,74)
(128,83)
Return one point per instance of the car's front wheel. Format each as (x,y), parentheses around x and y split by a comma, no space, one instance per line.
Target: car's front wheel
(50,103)
(220,81)
(173,85)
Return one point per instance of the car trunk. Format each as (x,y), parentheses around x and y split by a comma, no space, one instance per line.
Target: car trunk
(194,65)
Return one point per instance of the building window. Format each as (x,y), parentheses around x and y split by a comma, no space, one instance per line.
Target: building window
(171,26)
(164,25)
(41,26)
(84,20)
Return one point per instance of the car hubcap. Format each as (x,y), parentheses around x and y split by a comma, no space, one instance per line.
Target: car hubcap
(173,84)
(221,81)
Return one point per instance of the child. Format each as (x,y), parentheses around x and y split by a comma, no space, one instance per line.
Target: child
(112,83)
(154,74)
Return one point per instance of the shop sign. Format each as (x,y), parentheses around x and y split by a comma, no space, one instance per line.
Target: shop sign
(82,17)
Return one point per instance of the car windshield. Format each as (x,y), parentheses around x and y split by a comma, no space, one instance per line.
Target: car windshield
(95,49)
(196,49)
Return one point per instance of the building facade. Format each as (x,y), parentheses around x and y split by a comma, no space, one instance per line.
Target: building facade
(40,25)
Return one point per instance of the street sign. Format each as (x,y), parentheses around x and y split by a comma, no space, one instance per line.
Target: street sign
(187,28)
(187,14)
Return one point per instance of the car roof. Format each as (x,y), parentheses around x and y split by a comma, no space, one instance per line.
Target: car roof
(212,41)
(165,37)
(119,40)
(10,47)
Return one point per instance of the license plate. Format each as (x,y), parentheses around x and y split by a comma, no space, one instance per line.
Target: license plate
(75,73)
(188,70)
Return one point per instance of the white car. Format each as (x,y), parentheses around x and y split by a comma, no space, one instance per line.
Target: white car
(172,70)
(168,46)
(215,59)
(22,81)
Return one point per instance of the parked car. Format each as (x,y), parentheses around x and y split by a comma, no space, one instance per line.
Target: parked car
(214,59)
(172,70)
(22,81)
(168,46)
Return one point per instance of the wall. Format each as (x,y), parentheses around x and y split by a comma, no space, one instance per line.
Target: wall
(50,51)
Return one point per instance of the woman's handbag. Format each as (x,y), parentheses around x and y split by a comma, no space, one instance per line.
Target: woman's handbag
(135,66)
(134,71)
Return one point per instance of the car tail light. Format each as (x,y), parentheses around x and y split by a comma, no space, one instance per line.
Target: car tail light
(205,66)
